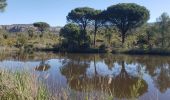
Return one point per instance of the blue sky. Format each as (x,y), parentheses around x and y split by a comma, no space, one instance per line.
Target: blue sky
(54,12)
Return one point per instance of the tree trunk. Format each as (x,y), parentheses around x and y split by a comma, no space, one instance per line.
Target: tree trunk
(123,72)
(84,31)
(163,38)
(84,28)
(149,43)
(94,41)
(123,66)
(123,39)
(95,69)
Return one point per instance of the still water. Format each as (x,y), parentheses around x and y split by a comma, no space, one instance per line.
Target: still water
(121,76)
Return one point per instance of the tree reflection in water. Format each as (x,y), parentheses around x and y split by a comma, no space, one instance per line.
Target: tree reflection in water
(82,73)
(162,79)
(123,85)
(159,69)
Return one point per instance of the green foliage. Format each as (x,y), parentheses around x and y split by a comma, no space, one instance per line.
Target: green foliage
(80,16)
(5,36)
(70,31)
(74,37)
(30,33)
(163,23)
(109,31)
(71,34)
(97,21)
(126,16)
(21,41)
(102,47)
(147,39)
(42,26)
(88,27)
(3,4)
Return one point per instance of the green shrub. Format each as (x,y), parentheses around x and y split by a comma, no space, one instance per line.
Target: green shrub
(103,47)
(5,36)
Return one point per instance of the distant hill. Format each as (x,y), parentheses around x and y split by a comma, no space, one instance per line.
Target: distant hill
(25,27)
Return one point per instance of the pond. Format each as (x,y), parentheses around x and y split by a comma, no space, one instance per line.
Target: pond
(144,77)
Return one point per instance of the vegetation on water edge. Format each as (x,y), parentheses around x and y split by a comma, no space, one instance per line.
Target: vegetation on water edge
(21,86)
(25,86)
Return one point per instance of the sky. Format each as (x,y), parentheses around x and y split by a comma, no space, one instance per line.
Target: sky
(54,12)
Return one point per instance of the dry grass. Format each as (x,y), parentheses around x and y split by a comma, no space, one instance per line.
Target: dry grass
(21,86)
(26,86)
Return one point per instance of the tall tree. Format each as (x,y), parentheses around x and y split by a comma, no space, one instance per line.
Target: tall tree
(42,26)
(97,18)
(108,34)
(150,35)
(71,35)
(127,16)
(80,16)
(163,27)
(3,4)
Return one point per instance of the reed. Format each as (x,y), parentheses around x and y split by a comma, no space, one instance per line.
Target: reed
(21,86)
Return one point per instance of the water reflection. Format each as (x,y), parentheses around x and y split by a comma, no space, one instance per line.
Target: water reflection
(121,76)
(122,85)
(162,78)
(43,66)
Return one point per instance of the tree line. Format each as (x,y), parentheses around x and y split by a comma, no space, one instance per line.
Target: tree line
(122,26)
(123,17)
(126,20)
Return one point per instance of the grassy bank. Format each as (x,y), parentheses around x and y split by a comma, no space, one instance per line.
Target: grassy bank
(21,86)
(25,86)
(22,42)
(156,51)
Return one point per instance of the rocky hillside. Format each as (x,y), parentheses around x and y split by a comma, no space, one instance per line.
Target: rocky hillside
(25,28)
